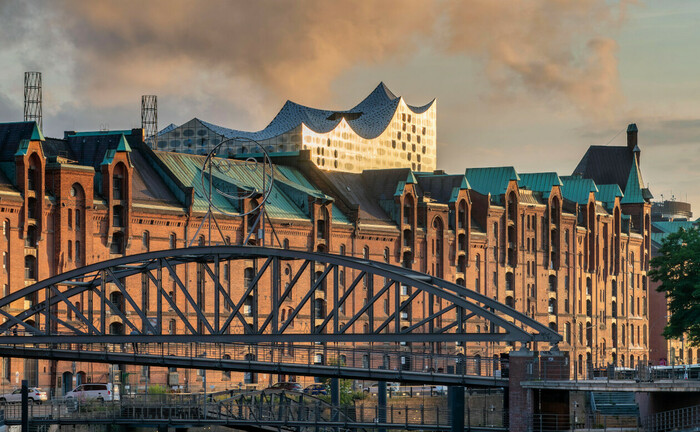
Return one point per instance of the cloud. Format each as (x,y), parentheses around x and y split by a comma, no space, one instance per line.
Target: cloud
(247,50)
(548,47)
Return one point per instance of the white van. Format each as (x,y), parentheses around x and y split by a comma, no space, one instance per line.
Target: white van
(98,391)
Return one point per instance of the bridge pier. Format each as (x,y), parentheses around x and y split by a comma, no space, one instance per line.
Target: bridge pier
(520,400)
(381,404)
(455,402)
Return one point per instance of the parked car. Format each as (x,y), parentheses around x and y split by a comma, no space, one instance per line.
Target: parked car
(316,390)
(98,391)
(34,394)
(373,389)
(288,386)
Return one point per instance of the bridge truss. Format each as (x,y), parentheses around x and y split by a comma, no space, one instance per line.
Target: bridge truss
(255,296)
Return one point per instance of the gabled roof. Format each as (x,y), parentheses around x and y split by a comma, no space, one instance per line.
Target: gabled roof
(606,165)
(607,194)
(540,182)
(493,180)
(442,187)
(95,148)
(577,189)
(11,134)
(635,192)
(288,199)
(368,119)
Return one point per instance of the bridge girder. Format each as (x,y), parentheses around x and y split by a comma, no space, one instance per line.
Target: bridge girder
(80,306)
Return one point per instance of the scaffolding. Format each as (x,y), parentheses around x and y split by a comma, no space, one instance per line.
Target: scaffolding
(32,98)
(149,118)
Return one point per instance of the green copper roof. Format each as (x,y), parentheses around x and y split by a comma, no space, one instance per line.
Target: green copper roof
(577,189)
(400,186)
(607,194)
(465,183)
(540,182)
(633,189)
(36,134)
(673,226)
(492,180)
(22,148)
(123,145)
(411,179)
(289,198)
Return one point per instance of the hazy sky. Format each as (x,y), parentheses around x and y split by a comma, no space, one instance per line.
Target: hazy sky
(527,83)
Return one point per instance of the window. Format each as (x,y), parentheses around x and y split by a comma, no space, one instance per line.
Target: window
(31,239)
(146,241)
(172,241)
(30,267)
(118,216)
(70,218)
(70,250)
(117,246)
(118,184)
(78,222)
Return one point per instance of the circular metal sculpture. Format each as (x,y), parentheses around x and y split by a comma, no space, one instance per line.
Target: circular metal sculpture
(220,177)
(217,166)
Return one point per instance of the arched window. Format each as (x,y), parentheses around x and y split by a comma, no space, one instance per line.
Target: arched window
(70,250)
(78,220)
(408,210)
(30,271)
(116,328)
(117,299)
(31,239)
(118,182)
(552,283)
(117,246)
(146,241)
(319,308)
(552,306)
(70,218)
(462,215)
(510,302)
(172,241)
(226,375)
(322,224)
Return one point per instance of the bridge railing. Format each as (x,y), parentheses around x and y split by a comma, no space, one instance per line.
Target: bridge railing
(540,369)
(289,409)
(678,419)
(589,422)
(238,356)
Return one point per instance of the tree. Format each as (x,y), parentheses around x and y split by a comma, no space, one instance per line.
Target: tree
(678,269)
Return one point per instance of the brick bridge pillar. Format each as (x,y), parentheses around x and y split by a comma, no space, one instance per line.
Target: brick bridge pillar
(520,400)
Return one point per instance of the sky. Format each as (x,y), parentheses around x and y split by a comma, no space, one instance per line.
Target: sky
(527,83)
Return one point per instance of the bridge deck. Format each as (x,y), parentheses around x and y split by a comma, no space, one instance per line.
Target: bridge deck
(602,385)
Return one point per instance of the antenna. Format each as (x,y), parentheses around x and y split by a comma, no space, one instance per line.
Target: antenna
(32,98)
(149,118)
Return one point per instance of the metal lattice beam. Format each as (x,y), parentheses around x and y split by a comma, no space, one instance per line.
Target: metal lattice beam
(213,310)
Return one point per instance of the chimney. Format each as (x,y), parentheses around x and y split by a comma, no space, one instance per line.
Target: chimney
(631,136)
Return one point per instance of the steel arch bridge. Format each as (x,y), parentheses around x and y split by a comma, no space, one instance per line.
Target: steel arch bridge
(285,297)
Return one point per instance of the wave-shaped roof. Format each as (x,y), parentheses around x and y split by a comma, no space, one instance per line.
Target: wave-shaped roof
(368,119)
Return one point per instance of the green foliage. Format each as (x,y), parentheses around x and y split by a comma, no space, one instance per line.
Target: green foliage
(678,269)
(347,396)
(157,389)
